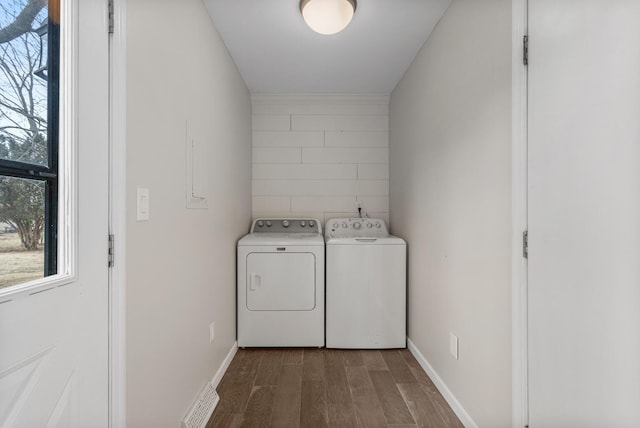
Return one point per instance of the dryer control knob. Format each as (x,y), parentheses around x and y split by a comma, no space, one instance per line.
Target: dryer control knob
(344,225)
(369,225)
(311,224)
(303,223)
(378,226)
(285,223)
(260,224)
(357,225)
(268,224)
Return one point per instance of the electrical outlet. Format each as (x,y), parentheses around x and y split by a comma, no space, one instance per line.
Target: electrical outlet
(212,331)
(453,345)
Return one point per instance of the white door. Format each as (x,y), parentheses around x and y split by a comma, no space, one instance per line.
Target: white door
(584,213)
(54,337)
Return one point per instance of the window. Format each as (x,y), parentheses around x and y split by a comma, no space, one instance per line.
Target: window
(29,118)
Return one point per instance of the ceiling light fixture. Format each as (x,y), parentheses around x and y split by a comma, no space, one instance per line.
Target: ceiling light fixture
(327,16)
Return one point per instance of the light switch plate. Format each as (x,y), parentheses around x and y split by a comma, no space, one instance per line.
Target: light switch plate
(142,204)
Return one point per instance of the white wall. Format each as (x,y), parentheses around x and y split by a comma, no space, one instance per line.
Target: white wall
(450,187)
(320,155)
(181,263)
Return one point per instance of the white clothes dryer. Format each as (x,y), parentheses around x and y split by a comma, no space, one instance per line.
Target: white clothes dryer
(281,284)
(366,285)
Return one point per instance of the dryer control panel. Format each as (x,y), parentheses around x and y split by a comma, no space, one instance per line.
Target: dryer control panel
(356,227)
(286,225)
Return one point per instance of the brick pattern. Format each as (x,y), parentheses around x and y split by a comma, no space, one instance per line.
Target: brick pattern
(320,156)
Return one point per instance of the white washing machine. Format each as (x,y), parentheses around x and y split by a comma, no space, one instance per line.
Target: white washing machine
(281,284)
(366,285)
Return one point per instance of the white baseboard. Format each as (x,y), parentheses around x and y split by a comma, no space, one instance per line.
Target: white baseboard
(455,405)
(225,365)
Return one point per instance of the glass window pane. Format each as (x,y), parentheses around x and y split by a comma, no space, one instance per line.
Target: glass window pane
(23,81)
(21,230)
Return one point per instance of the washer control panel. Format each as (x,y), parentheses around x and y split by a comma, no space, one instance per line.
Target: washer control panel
(356,227)
(286,225)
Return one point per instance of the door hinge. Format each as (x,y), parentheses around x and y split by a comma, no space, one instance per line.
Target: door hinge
(525,50)
(111,18)
(111,252)
(525,244)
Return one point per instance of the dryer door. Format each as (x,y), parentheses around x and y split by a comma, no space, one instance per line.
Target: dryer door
(281,281)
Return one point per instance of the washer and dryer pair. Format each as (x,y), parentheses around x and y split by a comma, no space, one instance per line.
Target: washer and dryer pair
(281,285)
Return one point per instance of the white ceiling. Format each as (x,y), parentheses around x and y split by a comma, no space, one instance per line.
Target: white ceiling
(276,52)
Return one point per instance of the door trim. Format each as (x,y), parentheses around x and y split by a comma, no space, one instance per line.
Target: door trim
(519,303)
(117,332)
(117,218)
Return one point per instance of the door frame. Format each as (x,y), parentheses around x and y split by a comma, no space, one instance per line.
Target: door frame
(519,303)
(519,223)
(117,217)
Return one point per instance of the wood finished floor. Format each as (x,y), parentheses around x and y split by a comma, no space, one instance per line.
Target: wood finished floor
(329,388)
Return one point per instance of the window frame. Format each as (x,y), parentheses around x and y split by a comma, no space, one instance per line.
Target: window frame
(48,174)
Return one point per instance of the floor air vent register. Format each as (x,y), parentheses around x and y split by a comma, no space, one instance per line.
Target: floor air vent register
(203,408)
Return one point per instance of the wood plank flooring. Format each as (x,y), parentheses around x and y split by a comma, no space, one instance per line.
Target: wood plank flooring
(329,388)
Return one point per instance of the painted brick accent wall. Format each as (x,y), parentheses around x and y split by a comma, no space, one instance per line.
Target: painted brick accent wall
(320,155)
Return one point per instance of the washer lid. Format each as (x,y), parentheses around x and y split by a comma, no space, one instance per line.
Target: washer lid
(283,239)
(387,240)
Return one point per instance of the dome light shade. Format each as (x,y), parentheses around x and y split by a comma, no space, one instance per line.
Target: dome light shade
(327,16)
